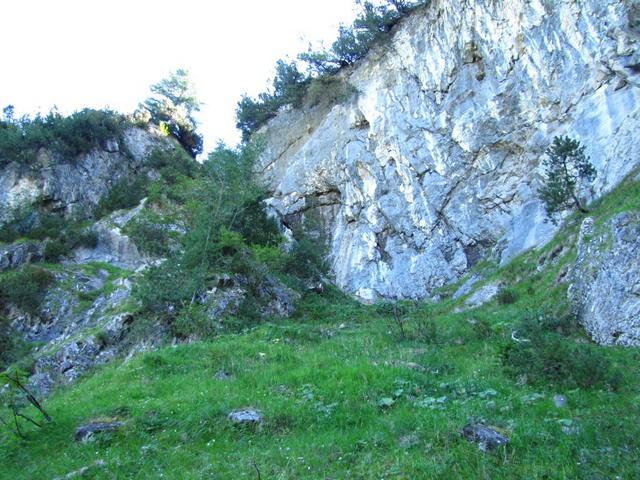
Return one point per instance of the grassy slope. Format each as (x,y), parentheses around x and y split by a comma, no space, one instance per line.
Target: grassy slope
(318,379)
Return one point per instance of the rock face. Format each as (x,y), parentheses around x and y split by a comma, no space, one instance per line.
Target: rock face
(605,288)
(436,161)
(113,246)
(74,186)
(16,255)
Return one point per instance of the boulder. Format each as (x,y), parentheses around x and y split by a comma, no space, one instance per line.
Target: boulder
(18,254)
(247,416)
(486,437)
(605,280)
(88,431)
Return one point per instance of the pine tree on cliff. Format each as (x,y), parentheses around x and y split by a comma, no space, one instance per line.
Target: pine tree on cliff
(172,108)
(566,166)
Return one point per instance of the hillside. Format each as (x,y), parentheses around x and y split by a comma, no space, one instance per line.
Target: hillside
(344,393)
(422,261)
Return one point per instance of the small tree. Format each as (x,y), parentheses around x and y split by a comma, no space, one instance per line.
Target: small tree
(566,166)
(172,108)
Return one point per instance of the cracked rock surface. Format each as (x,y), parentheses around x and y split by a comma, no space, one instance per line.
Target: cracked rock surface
(605,281)
(436,162)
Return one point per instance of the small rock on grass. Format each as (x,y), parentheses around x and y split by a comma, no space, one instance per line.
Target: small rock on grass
(246,416)
(86,432)
(559,400)
(486,437)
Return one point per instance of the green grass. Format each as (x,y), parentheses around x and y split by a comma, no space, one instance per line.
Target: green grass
(318,379)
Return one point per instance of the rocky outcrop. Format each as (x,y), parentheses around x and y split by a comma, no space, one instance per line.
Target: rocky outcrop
(74,187)
(18,254)
(605,282)
(113,246)
(435,163)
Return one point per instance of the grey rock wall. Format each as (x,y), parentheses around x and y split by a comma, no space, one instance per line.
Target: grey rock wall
(605,282)
(436,162)
(74,186)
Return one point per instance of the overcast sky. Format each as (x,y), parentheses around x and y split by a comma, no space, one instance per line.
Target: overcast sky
(90,53)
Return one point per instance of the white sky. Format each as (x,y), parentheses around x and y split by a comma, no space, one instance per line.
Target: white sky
(89,53)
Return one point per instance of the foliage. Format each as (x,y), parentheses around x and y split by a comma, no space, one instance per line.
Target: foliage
(172,108)
(306,259)
(151,234)
(15,397)
(67,137)
(62,235)
(566,166)
(542,354)
(506,296)
(127,193)
(290,86)
(24,288)
(222,213)
(329,89)
(172,164)
(6,342)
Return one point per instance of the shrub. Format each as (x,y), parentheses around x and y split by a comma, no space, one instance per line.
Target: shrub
(545,356)
(25,288)
(62,242)
(149,233)
(329,89)
(6,343)
(68,137)
(506,297)
(306,259)
(172,164)
(124,194)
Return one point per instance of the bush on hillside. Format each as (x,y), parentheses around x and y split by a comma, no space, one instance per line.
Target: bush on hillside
(65,136)
(540,354)
(24,288)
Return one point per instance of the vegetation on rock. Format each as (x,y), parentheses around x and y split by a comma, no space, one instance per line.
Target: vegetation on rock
(64,136)
(172,108)
(291,86)
(566,166)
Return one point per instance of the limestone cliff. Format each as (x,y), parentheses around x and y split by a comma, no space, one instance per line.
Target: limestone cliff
(75,186)
(435,162)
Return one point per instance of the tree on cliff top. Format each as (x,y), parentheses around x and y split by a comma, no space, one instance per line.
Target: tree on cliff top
(566,165)
(172,109)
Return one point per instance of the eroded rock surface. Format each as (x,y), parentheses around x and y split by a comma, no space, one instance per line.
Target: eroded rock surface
(605,282)
(18,254)
(74,186)
(436,162)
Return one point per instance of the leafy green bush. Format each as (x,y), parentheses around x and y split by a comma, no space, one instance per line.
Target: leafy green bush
(25,288)
(68,137)
(172,164)
(150,234)
(542,355)
(330,89)
(24,220)
(6,343)
(124,194)
(507,297)
(62,242)
(62,235)
(306,259)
